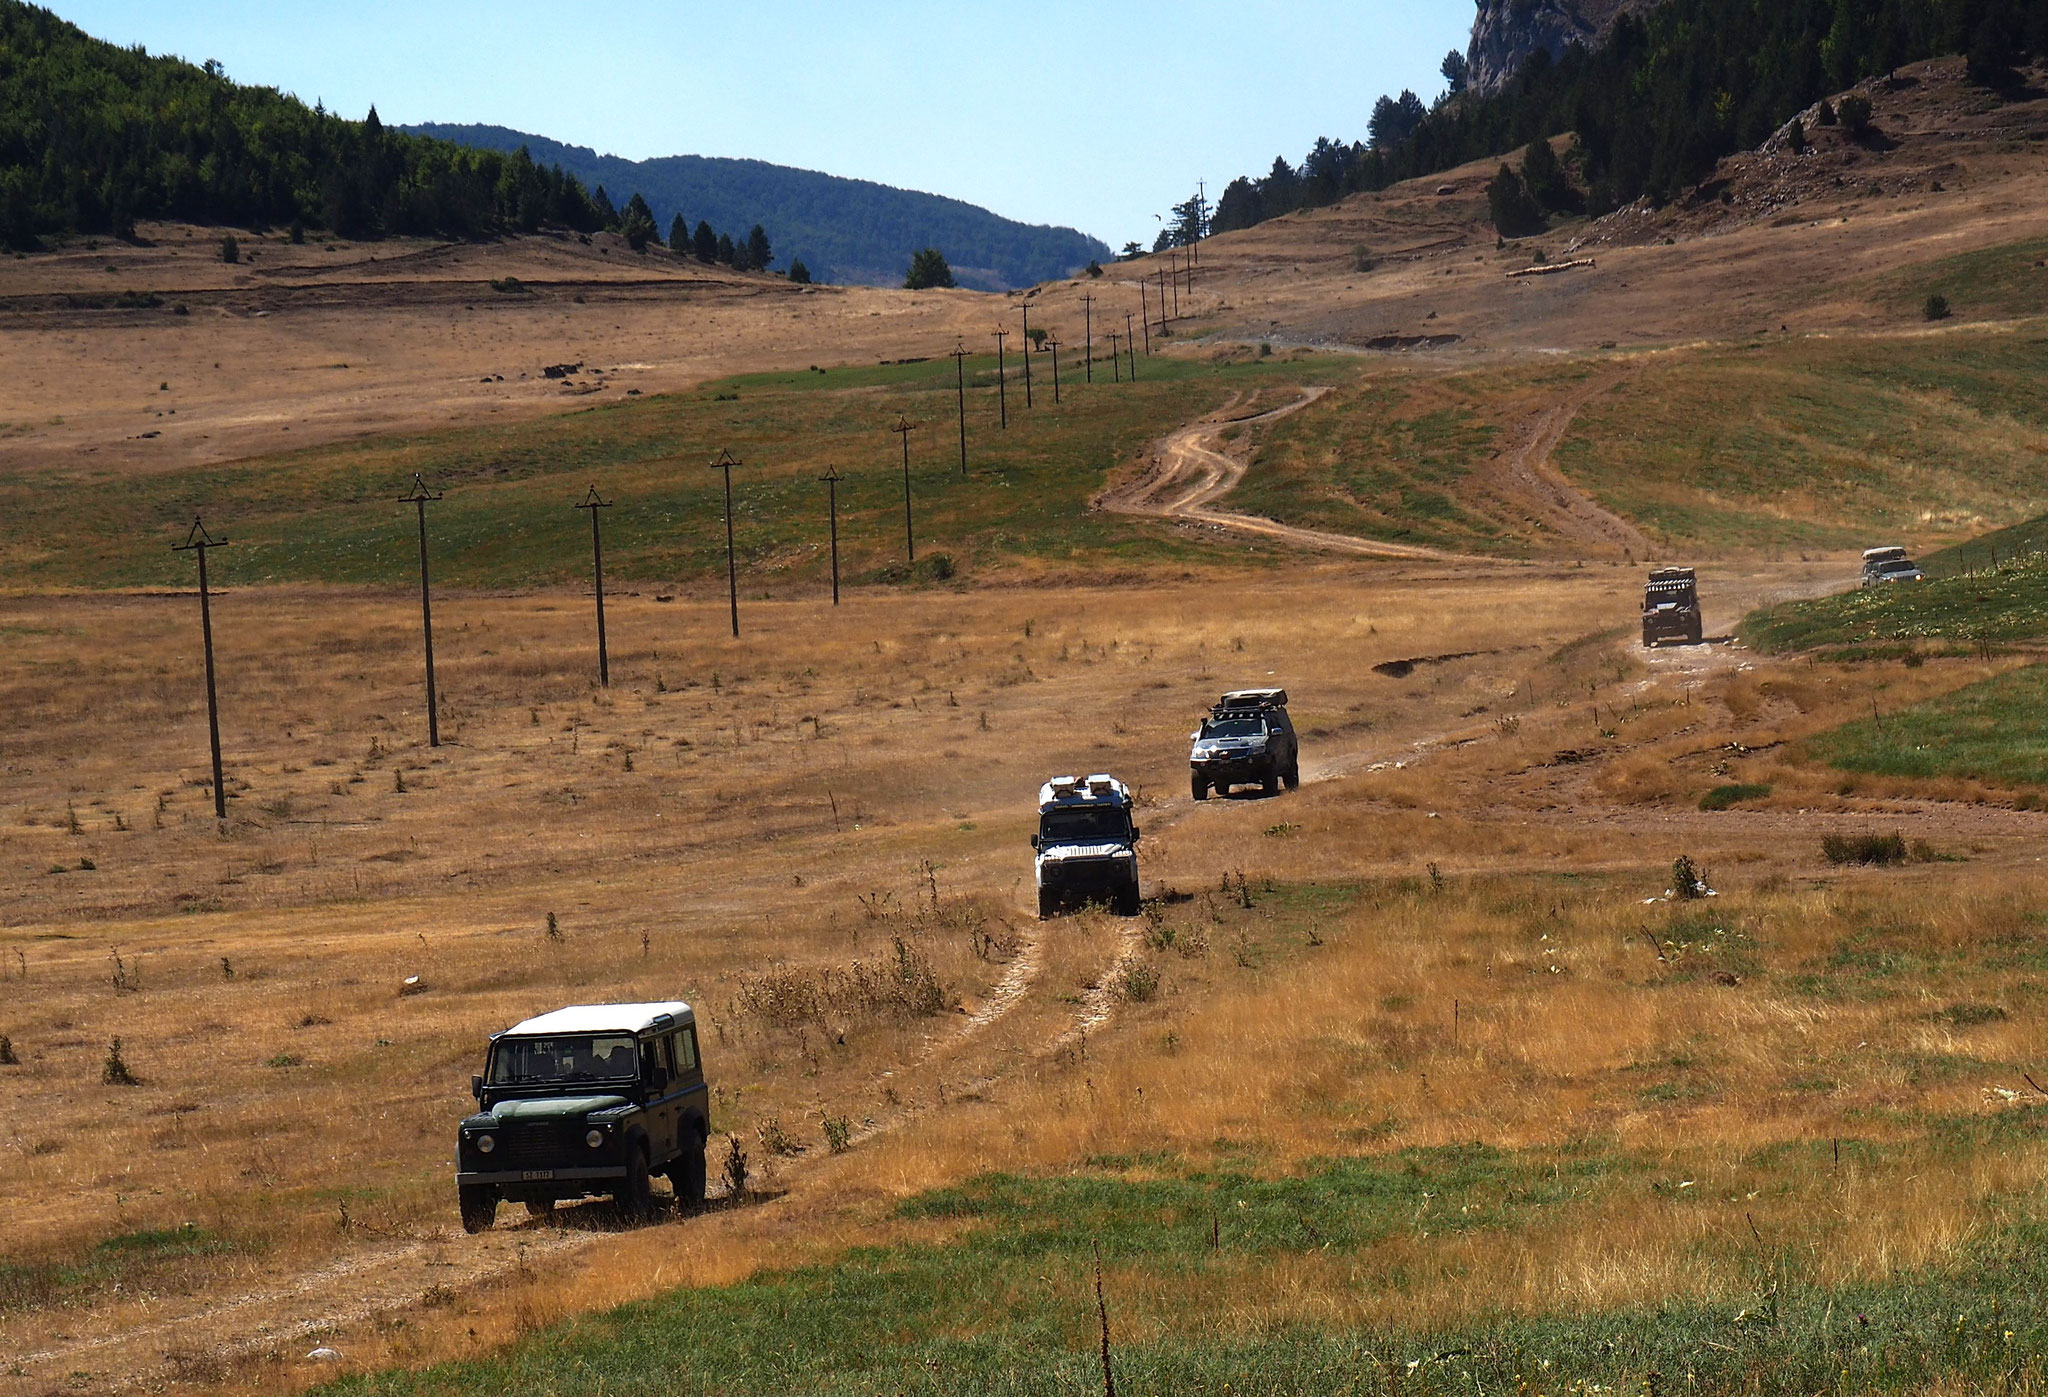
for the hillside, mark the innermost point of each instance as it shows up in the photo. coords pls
(95, 137)
(844, 230)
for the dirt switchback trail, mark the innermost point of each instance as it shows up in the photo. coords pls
(1524, 472)
(1188, 475)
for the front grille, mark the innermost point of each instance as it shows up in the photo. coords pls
(539, 1145)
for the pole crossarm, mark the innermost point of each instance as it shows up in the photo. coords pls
(198, 538)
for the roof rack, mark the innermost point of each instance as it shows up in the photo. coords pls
(1251, 699)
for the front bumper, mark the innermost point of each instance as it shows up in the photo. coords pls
(540, 1176)
(1220, 769)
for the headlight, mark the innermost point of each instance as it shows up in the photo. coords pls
(486, 1143)
(594, 1139)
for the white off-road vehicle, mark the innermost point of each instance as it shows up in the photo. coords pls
(1087, 847)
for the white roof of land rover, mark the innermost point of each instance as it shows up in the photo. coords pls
(605, 1018)
(1099, 789)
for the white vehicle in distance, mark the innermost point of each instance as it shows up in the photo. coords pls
(1086, 845)
(1888, 564)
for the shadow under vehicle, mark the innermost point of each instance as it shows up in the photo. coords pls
(586, 1101)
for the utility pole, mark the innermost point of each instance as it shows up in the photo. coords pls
(1027, 356)
(1002, 391)
(1116, 356)
(1088, 335)
(1144, 315)
(725, 462)
(594, 502)
(1131, 346)
(421, 497)
(903, 428)
(960, 383)
(831, 480)
(198, 541)
(1173, 260)
(1052, 342)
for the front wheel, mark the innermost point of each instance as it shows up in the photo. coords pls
(635, 1196)
(1293, 777)
(1047, 904)
(479, 1207)
(1199, 786)
(1270, 784)
(1127, 901)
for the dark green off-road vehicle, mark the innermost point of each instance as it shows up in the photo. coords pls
(586, 1101)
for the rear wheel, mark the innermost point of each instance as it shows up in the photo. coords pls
(635, 1195)
(689, 1173)
(1199, 786)
(479, 1206)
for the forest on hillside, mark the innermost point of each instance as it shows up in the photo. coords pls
(844, 230)
(1670, 93)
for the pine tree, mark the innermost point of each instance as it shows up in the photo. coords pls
(1545, 179)
(608, 217)
(1454, 70)
(679, 235)
(928, 269)
(726, 251)
(705, 244)
(1515, 214)
(637, 223)
(798, 272)
(759, 254)
(742, 257)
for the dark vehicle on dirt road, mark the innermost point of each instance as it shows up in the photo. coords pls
(1671, 607)
(1888, 564)
(1247, 740)
(590, 1100)
(1086, 845)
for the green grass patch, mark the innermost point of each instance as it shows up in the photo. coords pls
(2011, 605)
(1988, 553)
(1995, 730)
(147, 1257)
(1008, 1305)
(1729, 796)
(1826, 444)
(330, 513)
(1992, 283)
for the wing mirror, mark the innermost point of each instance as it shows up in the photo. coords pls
(476, 1088)
(1034, 841)
(1136, 834)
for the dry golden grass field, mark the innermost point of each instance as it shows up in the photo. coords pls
(1425, 1064)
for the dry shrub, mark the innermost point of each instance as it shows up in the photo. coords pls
(904, 986)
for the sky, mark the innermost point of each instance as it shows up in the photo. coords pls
(1095, 116)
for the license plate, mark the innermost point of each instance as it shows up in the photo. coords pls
(536, 1175)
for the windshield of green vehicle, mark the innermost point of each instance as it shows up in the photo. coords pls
(556, 1061)
(1085, 825)
(1233, 727)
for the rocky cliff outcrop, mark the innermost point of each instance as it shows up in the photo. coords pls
(1506, 32)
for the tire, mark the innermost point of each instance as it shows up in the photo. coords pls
(1047, 904)
(540, 1207)
(1270, 783)
(479, 1207)
(688, 1174)
(1199, 786)
(1293, 777)
(1128, 903)
(635, 1195)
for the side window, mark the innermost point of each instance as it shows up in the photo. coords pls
(686, 1051)
(654, 1054)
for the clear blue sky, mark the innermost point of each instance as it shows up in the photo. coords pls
(1096, 116)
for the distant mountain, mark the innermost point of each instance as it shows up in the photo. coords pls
(845, 230)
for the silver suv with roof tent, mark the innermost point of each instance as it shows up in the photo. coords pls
(1247, 739)
(590, 1100)
(1086, 845)
(1888, 564)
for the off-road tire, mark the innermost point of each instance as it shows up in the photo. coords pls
(1128, 901)
(1047, 904)
(1199, 786)
(635, 1195)
(540, 1207)
(479, 1207)
(688, 1174)
(1694, 634)
(1270, 783)
(1293, 777)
